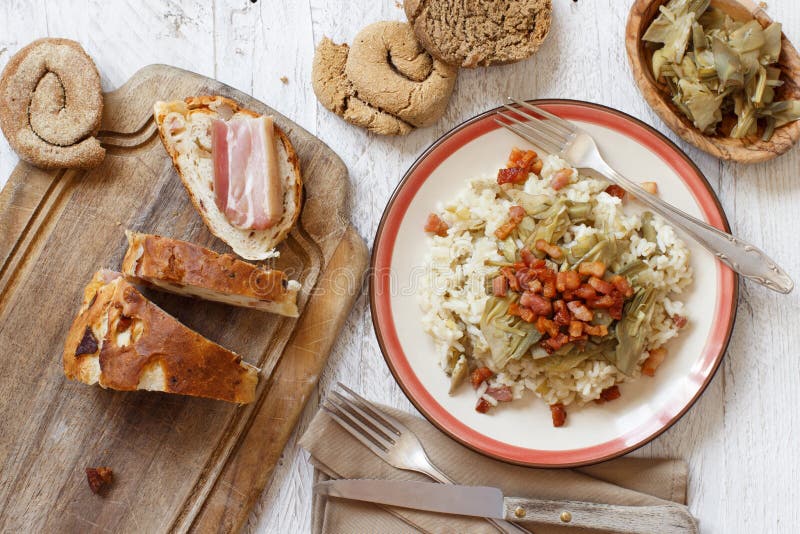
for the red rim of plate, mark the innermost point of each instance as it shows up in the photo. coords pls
(701, 372)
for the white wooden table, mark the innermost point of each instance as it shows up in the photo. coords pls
(745, 467)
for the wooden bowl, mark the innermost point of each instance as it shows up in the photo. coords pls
(748, 150)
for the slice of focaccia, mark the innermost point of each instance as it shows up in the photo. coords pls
(122, 341)
(186, 129)
(188, 269)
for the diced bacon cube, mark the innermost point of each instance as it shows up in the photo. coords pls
(513, 175)
(480, 375)
(538, 304)
(600, 285)
(575, 329)
(561, 179)
(559, 414)
(599, 330)
(610, 393)
(650, 187)
(482, 406)
(500, 393)
(580, 311)
(436, 225)
(499, 286)
(653, 361)
(615, 191)
(592, 268)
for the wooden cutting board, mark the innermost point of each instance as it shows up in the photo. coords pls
(179, 463)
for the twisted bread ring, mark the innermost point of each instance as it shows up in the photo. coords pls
(386, 82)
(51, 105)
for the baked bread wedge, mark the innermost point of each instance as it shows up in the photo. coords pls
(187, 128)
(120, 340)
(188, 269)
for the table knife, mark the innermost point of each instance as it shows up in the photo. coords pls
(488, 502)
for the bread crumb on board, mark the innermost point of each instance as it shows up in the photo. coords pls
(99, 478)
(284, 79)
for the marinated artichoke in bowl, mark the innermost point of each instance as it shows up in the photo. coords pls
(714, 65)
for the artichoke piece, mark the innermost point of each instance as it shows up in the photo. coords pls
(452, 358)
(769, 129)
(561, 364)
(760, 86)
(783, 112)
(673, 26)
(699, 41)
(551, 228)
(746, 113)
(661, 65)
(579, 211)
(649, 231)
(508, 248)
(706, 68)
(748, 37)
(532, 204)
(605, 251)
(703, 105)
(508, 337)
(771, 49)
(581, 248)
(712, 19)
(631, 331)
(630, 270)
(728, 65)
(525, 227)
(460, 372)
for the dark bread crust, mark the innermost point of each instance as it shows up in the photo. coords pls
(190, 363)
(479, 33)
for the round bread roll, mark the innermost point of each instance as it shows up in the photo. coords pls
(51, 105)
(478, 33)
(385, 82)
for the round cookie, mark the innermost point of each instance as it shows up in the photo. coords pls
(479, 33)
(51, 105)
(385, 82)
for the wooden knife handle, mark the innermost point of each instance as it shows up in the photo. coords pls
(666, 518)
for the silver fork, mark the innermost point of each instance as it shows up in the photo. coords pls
(563, 138)
(389, 439)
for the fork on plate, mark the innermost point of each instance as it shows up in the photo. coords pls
(563, 138)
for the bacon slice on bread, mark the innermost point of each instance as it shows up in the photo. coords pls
(120, 340)
(247, 189)
(188, 269)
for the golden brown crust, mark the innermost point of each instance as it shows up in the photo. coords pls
(51, 105)
(142, 347)
(185, 268)
(222, 106)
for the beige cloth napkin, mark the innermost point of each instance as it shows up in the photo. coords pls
(335, 454)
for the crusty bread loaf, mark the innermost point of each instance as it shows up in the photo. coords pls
(478, 33)
(122, 341)
(188, 269)
(188, 142)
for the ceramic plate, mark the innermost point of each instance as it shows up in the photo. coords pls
(522, 432)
